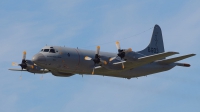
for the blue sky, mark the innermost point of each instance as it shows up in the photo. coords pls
(30, 25)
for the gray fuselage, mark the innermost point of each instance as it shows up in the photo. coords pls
(68, 61)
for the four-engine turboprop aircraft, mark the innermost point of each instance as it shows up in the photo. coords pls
(64, 61)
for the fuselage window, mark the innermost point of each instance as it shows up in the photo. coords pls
(46, 50)
(52, 51)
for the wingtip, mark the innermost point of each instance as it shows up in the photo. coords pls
(190, 55)
(193, 54)
(176, 52)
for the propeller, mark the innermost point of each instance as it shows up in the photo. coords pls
(23, 63)
(121, 53)
(97, 60)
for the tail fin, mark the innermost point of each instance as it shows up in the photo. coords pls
(156, 45)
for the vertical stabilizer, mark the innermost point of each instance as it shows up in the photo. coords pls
(156, 45)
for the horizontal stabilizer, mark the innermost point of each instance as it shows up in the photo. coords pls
(172, 60)
(155, 57)
(17, 69)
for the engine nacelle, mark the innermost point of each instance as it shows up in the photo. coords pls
(31, 67)
(36, 69)
(132, 56)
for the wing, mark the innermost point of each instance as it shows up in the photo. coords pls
(172, 60)
(12, 69)
(151, 58)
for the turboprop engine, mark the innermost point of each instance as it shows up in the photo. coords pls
(28, 65)
(124, 55)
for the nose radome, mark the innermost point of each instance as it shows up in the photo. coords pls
(39, 58)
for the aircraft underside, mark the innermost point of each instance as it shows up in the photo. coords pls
(132, 73)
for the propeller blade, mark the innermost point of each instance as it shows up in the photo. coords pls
(87, 58)
(128, 50)
(122, 64)
(119, 62)
(97, 67)
(104, 62)
(93, 71)
(112, 58)
(118, 45)
(24, 55)
(14, 64)
(98, 49)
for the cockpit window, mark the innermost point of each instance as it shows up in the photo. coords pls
(46, 50)
(41, 50)
(52, 51)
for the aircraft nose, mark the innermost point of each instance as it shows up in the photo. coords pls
(39, 58)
